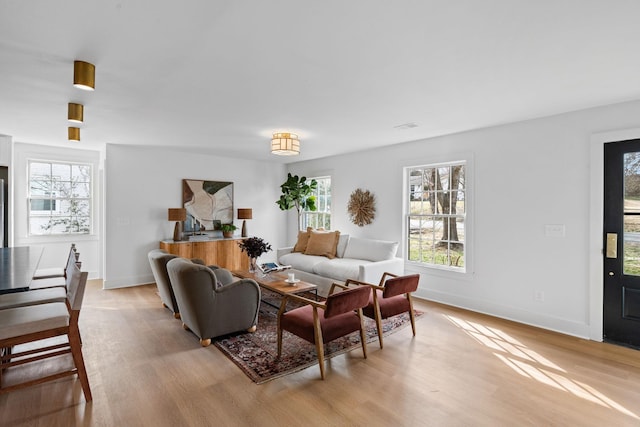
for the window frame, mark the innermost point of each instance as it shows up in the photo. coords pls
(326, 213)
(439, 269)
(58, 200)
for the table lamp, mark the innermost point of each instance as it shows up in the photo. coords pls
(178, 215)
(244, 214)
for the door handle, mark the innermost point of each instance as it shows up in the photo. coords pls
(612, 245)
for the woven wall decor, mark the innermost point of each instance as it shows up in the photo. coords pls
(361, 207)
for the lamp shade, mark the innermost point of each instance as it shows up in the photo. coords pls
(75, 113)
(177, 214)
(245, 213)
(74, 134)
(285, 144)
(84, 75)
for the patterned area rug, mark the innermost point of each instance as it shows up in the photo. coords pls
(256, 353)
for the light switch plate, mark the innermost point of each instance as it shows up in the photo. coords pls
(554, 230)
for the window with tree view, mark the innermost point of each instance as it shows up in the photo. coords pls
(321, 217)
(436, 215)
(59, 198)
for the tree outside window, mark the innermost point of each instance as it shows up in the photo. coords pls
(59, 198)
(436, 215)
(321, 217)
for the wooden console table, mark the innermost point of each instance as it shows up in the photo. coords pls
(224, 253)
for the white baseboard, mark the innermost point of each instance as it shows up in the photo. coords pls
(127, 282)
(556, 324)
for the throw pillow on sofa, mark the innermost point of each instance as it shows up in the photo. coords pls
(322, 243)
(303, 239)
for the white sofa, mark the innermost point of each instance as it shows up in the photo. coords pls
(356, 258)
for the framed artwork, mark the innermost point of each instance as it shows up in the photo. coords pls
(209, 204)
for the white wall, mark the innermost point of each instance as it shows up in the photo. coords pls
(142, 183)
(527, 175)
(56, 248)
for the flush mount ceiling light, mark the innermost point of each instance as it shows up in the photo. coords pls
(74, 134)
(75, 113)
(84, 75)
(285, 144)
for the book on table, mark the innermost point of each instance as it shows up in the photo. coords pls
(268, 267)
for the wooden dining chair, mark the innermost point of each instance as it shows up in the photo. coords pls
(320, 323)
(30, 324)
(38, 296)
(49, 273)
(57, 281)
(391, 297)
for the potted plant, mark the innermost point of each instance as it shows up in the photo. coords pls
(227, 230)
(297, 193)
(254, 247)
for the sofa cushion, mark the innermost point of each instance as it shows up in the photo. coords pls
(339, 268)
(369, 249)
(342, 245)
(301, 261)
(323, 243)
(303, 239)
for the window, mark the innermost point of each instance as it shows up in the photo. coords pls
(321, 217)
(59, 198)
(436, 214)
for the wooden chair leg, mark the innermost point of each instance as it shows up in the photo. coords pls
(378, 319)
(317, 332)
(76, 352)
(205, 342)
(412, 315)
(279, 341)
(363, 335)
(253, 329)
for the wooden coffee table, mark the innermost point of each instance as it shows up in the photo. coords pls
(275, 281)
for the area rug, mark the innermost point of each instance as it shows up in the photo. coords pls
(256, 353)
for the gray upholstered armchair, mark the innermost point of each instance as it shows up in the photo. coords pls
(158, 260)
(210, 306)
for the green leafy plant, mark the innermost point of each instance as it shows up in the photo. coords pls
(228, 227)
(297, 193)
(254, 246)
(227, 230)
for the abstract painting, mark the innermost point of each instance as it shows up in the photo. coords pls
(208, 203)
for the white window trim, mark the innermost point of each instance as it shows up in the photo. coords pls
(90, 199)
(27, 152)
(317, 212)
(441, 270)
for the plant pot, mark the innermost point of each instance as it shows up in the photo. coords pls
(227, 234)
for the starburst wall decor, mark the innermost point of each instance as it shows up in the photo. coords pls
(361, 207)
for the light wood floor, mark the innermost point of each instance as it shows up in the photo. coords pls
(462, 369)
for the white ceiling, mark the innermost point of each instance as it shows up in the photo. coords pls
(220, 76)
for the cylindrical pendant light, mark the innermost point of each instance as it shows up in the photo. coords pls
(84, 75)
(75, 113)
(74, 134)
(285, 144)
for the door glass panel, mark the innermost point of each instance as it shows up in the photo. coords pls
(631, 261)
(632, 182)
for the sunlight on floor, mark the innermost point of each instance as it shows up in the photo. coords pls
(530, 364)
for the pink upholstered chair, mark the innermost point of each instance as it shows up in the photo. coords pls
(318, 322)
(392, 296)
